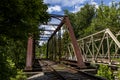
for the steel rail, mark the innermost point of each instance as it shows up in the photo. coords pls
(82, 72)
(53, 70)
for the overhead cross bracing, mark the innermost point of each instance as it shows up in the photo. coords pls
(55, 32)
(49, 27)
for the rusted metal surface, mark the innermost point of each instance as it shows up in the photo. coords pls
(57, 29)
(75, 44)
(73, 39)
(59, 17)
(31, 47)
(29, 57)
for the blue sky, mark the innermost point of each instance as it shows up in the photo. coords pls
(58, 6)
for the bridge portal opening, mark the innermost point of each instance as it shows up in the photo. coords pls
(50, 42)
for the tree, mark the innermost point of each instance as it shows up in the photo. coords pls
(82, 19)
(21, 16)
(17, 19)
(106, 17)
(105, 71)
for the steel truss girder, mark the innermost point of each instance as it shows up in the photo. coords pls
(30, 47)
(99, 49)
(73, 39)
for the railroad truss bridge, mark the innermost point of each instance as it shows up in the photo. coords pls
(102, 47)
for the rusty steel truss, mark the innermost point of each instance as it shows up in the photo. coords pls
(64, 21)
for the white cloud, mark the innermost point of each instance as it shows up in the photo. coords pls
(94, 3)
(70, 3)
(52, 1)
(65, 3)
(114, 2)
(110, 3)
(56, 8)
(77, 8)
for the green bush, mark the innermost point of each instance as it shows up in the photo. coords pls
(118, 75)
(105, 71)
(20, 76)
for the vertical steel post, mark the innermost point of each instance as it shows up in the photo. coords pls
(93, 51)
(59, 43)
(47, 49)
(53, 48)
(34, 47)
(108, 51)
(75, 44)
(29, 57)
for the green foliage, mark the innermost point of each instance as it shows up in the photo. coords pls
(82, 19)
(20, 76)
(90, 19)
(65, 41)
(41, 50)
(106, 17)
(118, 74)
(15, 51)
(7, 67)
(20, 17)
(17, 19)
(105, 71)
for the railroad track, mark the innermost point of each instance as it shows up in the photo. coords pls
(66, 73)
(47, 68)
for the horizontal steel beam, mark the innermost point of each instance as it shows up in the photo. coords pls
(55, 15)
(57, 29)
(92, 35)
(59, 17)
(50, 24)
(47, 30)
(45, 34)
(43, 39)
